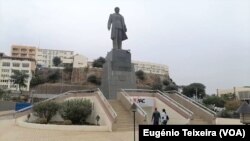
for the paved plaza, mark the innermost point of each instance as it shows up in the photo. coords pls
(9, 131)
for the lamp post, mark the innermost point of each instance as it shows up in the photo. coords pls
(133, 108)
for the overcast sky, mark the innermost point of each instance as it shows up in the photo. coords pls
(206, 41)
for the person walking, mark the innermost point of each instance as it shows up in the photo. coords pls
(164, 117)
(156, 117)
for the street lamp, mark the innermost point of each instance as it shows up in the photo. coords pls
(133, 108)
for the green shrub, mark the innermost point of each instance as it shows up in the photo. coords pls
(41, 121)
(157, 86)
(76, 110)
(46, 110)
(93, 79)
(140, 74)
(67, 122)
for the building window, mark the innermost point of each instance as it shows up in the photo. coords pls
(13, 71)
(23, 50)
(4, 75)
(6, 64)
(23, 55)
(16, 64)
(25, 65)
(4, 86)
(5, 70)
(25, 71)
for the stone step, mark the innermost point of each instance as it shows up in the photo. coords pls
(124, 121)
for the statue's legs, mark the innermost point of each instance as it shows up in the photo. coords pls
(115, 44)
(119, 43)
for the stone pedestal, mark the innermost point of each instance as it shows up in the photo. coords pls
(118, 73)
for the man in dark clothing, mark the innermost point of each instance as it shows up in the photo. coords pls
(156, 117)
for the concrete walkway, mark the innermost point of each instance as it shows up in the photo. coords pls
(11, 132)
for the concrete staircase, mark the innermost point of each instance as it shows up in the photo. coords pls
(125, 121)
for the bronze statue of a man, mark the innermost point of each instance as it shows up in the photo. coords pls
(118, 30)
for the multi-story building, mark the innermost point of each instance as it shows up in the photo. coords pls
(240, 92)
(153, 68)
(23, 51)
(80, 61)
(10, 64)
(45, 56)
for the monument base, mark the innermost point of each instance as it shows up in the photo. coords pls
(118, 73)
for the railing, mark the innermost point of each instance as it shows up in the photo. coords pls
(190, 113)
(139, 109)
(161, 93)
(139, 90)
(16, 114)
(106, 103)
(193, 101)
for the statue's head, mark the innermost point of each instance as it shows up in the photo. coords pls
(117, 10)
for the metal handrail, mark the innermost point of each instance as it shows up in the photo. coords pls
(109, 107)
(139, 90)
(195, 102)
(52, 98)
(137, 105)
(190, 113)
(176, 103)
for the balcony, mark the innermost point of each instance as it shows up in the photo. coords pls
(23, 50)
(15, 54)
(15, 51)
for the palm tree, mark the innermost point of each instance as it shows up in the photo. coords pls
(20, 78)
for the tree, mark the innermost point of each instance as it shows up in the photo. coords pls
(98, 63)
(232, 105)
(229, 96)
(193, 89)
(57, 61)
(157, 86)
(36, 80)
(140, 74)
(171, 87)
(54, 76)
(214, 100)
(76, 110)
(20, 78)
(93, 79)
(166, 82)
(46, 110)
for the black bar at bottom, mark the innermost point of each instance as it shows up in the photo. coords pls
(194, 132)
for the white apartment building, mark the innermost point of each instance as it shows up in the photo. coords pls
(153, 68)
(240, 92)
(10, 64)
(80, 61)
(45, 56)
